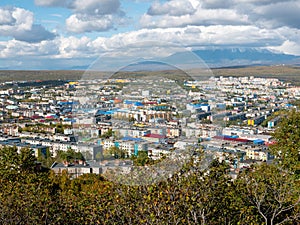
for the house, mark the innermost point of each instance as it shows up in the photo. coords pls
(129, 144)
(154, 138)
(76, 170)
(133, 132)
(90, 152)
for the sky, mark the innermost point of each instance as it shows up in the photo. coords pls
(74, 34)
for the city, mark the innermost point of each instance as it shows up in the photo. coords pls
(229, 117)
(150, 112)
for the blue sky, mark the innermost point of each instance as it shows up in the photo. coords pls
(70, 34)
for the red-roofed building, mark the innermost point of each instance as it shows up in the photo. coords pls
(156, 138)
(34, 117)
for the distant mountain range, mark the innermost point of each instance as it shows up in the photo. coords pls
(233, 57)
(208, 58)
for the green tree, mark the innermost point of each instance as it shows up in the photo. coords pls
(287, 147)
(116, 152)
(268, 194)
(131, 119)
(108, 134)
(9, 163)
(27, 196)
(142, 159)
(27, 160)
(70, 155)
(46, 159)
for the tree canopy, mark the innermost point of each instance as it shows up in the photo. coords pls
(287, 147)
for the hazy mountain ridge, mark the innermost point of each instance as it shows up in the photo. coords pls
(239, 57)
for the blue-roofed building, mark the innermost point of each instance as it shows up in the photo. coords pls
(138, 104)
(128, 138)
(258, 142)
(104, 112)
(128, 102)
(131, 103)
(64, 103)
(72, 120)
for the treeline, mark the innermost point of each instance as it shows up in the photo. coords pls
(262, 194)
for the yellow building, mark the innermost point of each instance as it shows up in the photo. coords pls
(251, 122)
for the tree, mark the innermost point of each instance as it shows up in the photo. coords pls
(270, 192)
(59, 128)
(116, 152)
(108, 134)
(27, 196)
(70, 155)
(9, 163)
(27, 160)
(45, 158)
(209, 198)
(142, 159)
(131, 119)
(287, 147)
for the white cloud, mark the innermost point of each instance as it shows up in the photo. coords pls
(17, 19)
(177, 13)
(59, 48)
(288, 47)
(217, 4)
(78, 23)
(200, 17)
(89, 15)
(19, 24)
(99, 7)
(6, 17)
(94, 15)
(173, 8)
(43, 55)
(15, 49)
(291, 41)
(73, 47)
(62, 3)
(259, 2)
(96, 7)
(263, 13)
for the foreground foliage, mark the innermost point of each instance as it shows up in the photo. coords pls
(263, 194)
